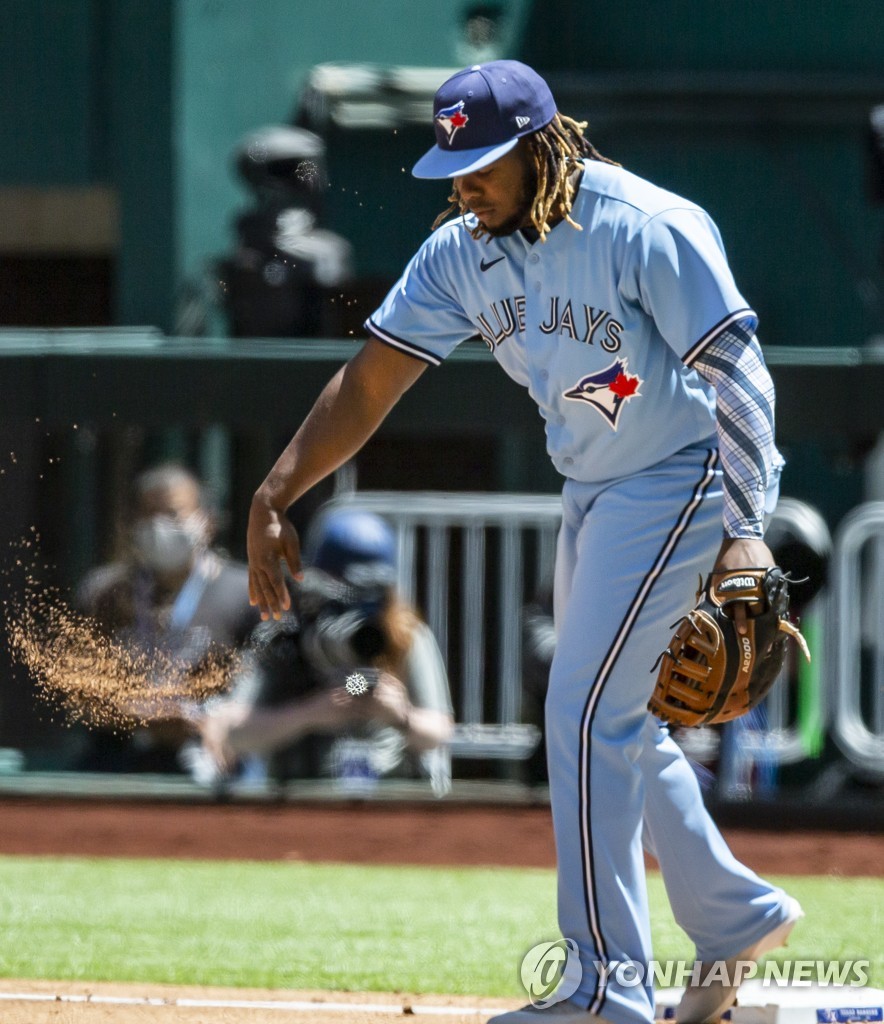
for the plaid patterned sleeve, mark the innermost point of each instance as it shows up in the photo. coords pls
(734, 365)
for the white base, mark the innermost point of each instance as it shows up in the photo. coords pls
(760, 1003)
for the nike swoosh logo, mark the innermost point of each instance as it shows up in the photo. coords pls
(487, 266)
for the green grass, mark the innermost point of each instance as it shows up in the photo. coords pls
(337, 926)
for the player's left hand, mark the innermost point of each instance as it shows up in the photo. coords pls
(742, 553)
(270, 540)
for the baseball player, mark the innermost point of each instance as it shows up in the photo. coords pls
(611, 300)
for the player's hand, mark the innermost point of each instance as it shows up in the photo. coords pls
(742, 553)
(271, 540)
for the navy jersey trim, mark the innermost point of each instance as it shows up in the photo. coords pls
(692, 353)
(592, 703)
(399, 343)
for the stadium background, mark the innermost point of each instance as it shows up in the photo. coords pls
(118, 120)
(118, 193)
(119, 123)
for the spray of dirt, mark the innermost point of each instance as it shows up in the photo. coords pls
(92, 677)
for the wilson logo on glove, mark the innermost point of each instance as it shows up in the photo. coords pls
(710, 673)
(736, 583)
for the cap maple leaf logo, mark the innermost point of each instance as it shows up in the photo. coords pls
(452, 119)
(624, 385)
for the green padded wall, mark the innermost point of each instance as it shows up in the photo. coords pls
(50, 102)
(709, 35)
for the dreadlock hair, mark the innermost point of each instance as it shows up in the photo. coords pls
(557, 150)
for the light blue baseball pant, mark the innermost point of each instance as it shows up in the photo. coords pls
(629, 557)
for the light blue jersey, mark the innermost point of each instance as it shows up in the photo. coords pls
(601, 325)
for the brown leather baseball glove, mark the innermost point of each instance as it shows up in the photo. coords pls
(710, 673)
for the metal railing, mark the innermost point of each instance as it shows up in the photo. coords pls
(487, 555)
(857, 631)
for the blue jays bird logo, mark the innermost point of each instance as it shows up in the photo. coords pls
(607, 390)
(452, 118)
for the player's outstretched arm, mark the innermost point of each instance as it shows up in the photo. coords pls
(348, 411)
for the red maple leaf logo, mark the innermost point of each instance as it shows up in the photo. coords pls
(624, 385)
(459, 119)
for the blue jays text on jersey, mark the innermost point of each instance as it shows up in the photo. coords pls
(645, 281)
(508, 315)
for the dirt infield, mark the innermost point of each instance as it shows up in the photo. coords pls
(370, 833)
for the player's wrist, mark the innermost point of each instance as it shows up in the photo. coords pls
(270, 498)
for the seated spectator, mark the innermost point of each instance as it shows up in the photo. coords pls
(170, 594)
(351, 667)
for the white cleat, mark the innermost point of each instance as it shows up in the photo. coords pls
(564, 1012)
(703, 1004)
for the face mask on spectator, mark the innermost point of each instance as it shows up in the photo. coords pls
(168, 545)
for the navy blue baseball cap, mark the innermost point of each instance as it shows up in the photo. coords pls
(481, 113)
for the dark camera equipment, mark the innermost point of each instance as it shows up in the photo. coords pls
(282, 275)
(341, 622)
(362, 680)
